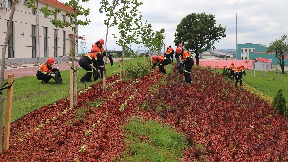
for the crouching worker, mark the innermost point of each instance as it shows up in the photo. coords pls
(160, 61)
(85, 62)
(46, 72)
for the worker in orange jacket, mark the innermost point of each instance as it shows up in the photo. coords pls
(47, 72)
(90, 64)
(187, 62)
(239, 72)
(99, 49)
(232, 70)
(171, 50)
(159, 61)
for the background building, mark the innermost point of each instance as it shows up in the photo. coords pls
(250, 51)
(34, 37)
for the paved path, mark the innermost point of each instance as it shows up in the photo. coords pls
(31, 70)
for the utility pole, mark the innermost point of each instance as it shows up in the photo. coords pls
(236, 39)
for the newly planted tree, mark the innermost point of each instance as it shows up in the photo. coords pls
(198, 33)
(77, 10)
(125, 15)
(129, 24)
(109, 8)
(150, 39)
(280, 47)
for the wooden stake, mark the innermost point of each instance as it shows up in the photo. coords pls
(8, 113)
(104, 74)
(71, 88)
(75, 103)
(120, 69)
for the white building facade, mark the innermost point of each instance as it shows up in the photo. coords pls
(33, 34)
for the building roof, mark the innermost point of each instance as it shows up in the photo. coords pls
(263, 60)
(58, 4)
(226, 63)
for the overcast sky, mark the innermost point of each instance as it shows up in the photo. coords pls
(259, 21)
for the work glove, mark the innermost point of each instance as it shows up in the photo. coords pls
(53, 75)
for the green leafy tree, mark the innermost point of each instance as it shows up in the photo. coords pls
(109, 8)
(158, 40)
(126, 16)
(198, 33)
(150, 39)
(280, 47)
(129, 24)
(78, 10)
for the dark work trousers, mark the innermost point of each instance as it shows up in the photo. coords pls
(85, 63)
(172, 58)
(168, 57)
(100, 60)
(238, 78)
(187, 69)
(44, 77)
(162, 64)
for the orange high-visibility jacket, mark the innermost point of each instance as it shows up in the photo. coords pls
(159, 59)
(185, 55)
(92, 55)
(45, 68)
(232, 67)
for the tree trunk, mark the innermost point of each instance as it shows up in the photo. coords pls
(9, 29)
(197, 58)
(105, 60)
(282, 64)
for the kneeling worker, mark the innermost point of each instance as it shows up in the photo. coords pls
(46, 72)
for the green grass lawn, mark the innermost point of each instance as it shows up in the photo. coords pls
(267, 82)
(29, 94)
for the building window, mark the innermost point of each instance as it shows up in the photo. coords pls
(245, 50)
(242, 50)
(71, 20)
(9, 3)
(11, 42)
(64, 43)
(252, 50)
(33, 35)
(33, 10)
(55, 42)
(55, 15)
(64, 18)
(249, 50)
(45, 30)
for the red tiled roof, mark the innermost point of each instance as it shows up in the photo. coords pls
(58, 4)
(263, 60)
